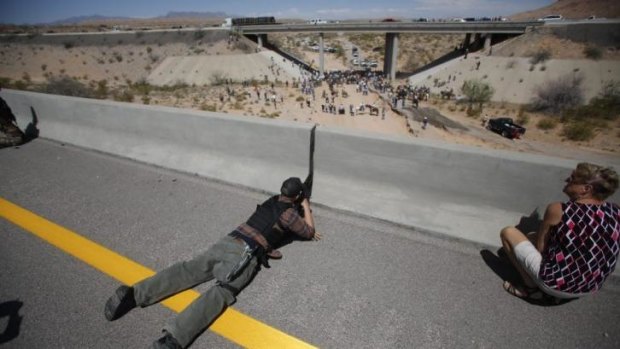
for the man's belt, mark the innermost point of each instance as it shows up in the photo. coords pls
(248, 240)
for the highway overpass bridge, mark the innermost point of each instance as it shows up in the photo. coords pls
(481, 31)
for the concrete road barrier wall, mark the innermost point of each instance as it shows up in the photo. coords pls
(460, 191)
(243, 150)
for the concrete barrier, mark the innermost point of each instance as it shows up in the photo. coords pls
(463, 192)
(242, 150)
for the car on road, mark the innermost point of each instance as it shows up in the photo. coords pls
(551, 18)
(506, 127)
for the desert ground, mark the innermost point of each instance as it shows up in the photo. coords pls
(193, 73)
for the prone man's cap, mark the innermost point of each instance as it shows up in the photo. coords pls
(292, 187)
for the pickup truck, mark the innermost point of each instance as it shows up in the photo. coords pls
(506, 127)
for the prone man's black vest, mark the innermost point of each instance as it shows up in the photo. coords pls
(265, 218)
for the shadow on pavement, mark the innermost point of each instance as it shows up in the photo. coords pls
(10, 309)
(501, 266)
(31, 132)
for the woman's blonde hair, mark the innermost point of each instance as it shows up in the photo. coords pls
(604, 180)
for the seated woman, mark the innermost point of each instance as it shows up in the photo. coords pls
(577, 245)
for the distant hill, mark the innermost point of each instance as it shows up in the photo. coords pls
(82, 19)
(195, 15)
(574, 9)
(169, 15)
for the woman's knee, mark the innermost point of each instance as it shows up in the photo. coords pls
(512, 235)
(507, 231)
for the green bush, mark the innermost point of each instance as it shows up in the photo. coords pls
(68, 86)
(102, 89)
(593, 52)
(558, 95)
(124, 96)
(208, 107)
(605, 106)
(578, 131)
(474, 113)
(547, 124)
(522, 117)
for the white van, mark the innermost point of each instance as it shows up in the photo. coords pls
(550, 18)
(317, 21)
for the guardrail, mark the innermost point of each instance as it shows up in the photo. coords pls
(396, 27)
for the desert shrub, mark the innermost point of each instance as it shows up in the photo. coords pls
(146, 99)
(243, 46)
(522, 117)
(208, 107)
(5, 82)
(593, 52)
(300, 99)
(511, 64)
(607, 103)
(478, 92)
(124, 96)
(578, 131)
(199, 35)
(68, 44)
(558, 95)
(218, 78)
(540, 56)
(547, 124)
(101, 91)
(149, 49)
(20, 85)
(471, 112)
(142, 87)
(67, 86)
(602, 108)
(43, 67)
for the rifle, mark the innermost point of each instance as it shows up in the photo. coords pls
(307, 188)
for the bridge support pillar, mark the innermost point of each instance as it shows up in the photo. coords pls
(321, 54)
(261, 40)
(467, 40)
(391, 55)
(487, 43)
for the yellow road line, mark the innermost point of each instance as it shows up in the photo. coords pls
(233, 325)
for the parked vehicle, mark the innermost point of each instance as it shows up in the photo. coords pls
(506, 127)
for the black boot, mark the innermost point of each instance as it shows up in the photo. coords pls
(166, 342)
(120, 303)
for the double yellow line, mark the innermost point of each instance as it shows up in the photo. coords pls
(233, 325)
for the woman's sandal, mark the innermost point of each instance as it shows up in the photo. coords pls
(529, 292)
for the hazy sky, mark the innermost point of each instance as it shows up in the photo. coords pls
(43, 11)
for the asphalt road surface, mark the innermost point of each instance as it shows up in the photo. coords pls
(367, 284)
